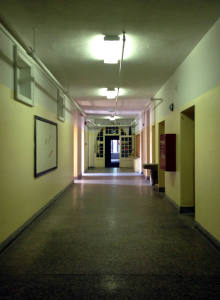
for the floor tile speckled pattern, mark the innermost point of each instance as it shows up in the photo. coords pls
(108, 238)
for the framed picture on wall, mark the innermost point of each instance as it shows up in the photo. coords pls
(23, 78)
(45, 146)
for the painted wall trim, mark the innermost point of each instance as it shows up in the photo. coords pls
(200, 228)
(207, 235)
(172, 202)
(15, 234)
(186, 209)
(181, 209)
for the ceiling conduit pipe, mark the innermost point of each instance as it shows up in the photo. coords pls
(119, 71)
(156, 99)
(15, 38)
(148, 106)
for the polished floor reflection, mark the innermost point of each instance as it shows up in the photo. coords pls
(111, 172)
(113, 176)
(110, 241)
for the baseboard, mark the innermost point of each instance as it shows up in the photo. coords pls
(158, 188)
(207, 235)
(172, 202)
(181, 209)
(202, 230)
(186, 209)
(15, 234)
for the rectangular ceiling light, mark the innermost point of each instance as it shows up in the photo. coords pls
(112, 49)
(111, 93)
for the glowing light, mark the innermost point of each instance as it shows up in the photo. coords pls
(112, 49)
(98, 47)
(113, 118)
(111, 93)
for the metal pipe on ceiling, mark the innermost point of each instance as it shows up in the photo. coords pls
(119, 70)
(16, 38)
(91, 122)
(149, 105)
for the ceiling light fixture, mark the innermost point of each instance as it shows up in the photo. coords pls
(113, 118)
(112, 49)
(111, 93)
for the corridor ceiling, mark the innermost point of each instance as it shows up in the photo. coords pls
(159, 35)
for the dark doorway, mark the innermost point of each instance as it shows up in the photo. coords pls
(112, 151)
(187, 155)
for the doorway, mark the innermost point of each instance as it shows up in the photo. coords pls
(153, 160)
(161, 172)
(112, 151)
(187, 179)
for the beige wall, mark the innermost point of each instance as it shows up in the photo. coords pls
(195, 82)
(161, 173)
(172, 184)
(145, 141)
(92, 136)
(77, 145)
(147, 131)
(86, 148)
(207, 161)
(187, 162)
(22, 195)
(137, 165)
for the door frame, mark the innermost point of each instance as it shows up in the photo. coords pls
(108, 139)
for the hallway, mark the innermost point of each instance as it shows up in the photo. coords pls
(114, 240)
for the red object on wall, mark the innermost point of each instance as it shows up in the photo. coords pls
(168, 152)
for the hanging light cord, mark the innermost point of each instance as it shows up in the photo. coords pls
(119, 71)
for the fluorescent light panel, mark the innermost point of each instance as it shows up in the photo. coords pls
(111, 93)
(112, 49)
(112, 118)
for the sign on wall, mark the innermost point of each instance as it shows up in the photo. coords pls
(45, 146)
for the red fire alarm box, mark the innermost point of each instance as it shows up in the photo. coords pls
(168, 152)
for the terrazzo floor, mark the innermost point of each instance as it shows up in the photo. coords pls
(110, 237)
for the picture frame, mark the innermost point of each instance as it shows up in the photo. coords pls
(45, 146)
(23, 78)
